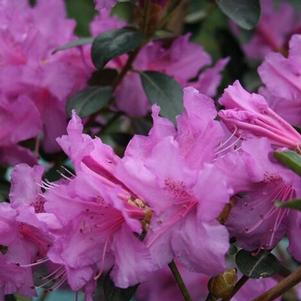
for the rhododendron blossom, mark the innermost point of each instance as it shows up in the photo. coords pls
(182, 60)
(281, 77)
(103, 217)
(254, 220)
(270, 34)
(27, 56)
(248, 114)
(175, 188)
(133, 163)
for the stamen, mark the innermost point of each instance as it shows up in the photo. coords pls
(228, 139)
(63, 175)
(61, 273)
(68, 171)
(58, 284)
(40, 261)
(228, 147)
(102, 260)
(53, 273)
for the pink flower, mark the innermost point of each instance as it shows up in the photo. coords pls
(101, 219)
(14, 154)
(107, 4)
(270, 34)
(210, 79)
(281, 77)
(161, 285)
(42, 80)
(248, 114)
(20, 120)
(21, 244)
(26, 197)
(254, 220)
(182, 61)
(130, 96)
(293, 232)
(253, 288)
(14, 279)
(105, 22)
(178, 190)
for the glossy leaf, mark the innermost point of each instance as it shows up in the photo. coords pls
(261, 265)
(10, 298)
(245, 13)
(113, 293)
(75, 43)
(4, 191)
(293, 204)
(89, 101)
(114, 43)
(163, 90)
(290, 159)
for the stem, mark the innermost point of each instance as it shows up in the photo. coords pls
(131, 58)
(210, 298)
(107, 126)
(179, 281)
(283, 286)
(146, 16)
(43, 296)
(168, 14)
(240, 283)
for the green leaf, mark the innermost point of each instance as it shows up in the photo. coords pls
(245, 13)
(22, 298)
(103, 77)
(114, 43)
(293, 204)
(10, 298)
(261, 265)
(4, 191)
(113, 293)
(82, 12)
(89, 101)
(290, 159)
(75, 43)
(163, 90)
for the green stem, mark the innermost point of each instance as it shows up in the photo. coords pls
(169, 13)
(240, 283)
(146, 11)
(127, 67)
(210, 298)
(43, 296)
(281, 287)
(179, 280)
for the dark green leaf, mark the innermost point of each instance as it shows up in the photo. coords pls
(114, 43)
(290, 159)
(89, 101)
(103, 77)
(261, 265)
(141, 126)
(113, 293)
(245, 13)
(75, 43)
(293, 204)
(4, 190)
(163, 90)
(82, 12)
(10, 298)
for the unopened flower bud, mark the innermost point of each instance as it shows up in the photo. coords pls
(223, 284)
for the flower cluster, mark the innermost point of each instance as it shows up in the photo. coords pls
(179, 195)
